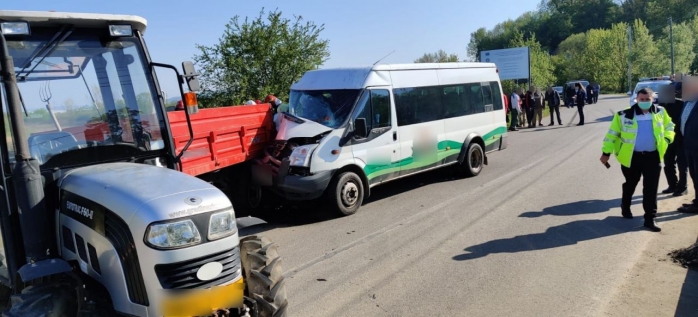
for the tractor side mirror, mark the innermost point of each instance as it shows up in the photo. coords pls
(191, 76)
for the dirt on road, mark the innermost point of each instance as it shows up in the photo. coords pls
(656, 285)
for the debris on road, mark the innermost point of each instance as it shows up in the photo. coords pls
(687, 257)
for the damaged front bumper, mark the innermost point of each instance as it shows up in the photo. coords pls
(273, 170)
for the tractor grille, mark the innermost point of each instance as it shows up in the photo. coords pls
(68, 241)
(182, 275)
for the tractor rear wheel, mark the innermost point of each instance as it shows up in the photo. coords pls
(261, 266)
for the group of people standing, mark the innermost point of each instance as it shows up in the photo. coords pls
(647, 135)
(527, 109)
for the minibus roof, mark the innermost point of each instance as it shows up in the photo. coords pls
(376, 75)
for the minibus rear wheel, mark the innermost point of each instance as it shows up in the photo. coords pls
(346, 193)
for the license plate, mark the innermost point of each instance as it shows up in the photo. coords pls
(203, 302)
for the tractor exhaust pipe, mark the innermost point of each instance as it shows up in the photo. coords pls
(34, 222)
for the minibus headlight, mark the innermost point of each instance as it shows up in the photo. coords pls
(301, 155)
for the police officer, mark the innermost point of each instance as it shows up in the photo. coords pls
(639, 137)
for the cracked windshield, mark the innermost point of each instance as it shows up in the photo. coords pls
(392, 158)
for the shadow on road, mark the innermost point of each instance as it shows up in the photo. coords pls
(604, 119)
(563, 235)
(293, 214)
(593, 206)
(555, 237)
(410, 183)
(688, 305)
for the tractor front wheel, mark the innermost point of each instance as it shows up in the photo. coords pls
(264, 279)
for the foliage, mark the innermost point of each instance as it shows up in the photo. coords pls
(684, 42)
(588, 39)
(645, 52)
(542, 68)
(439, 57)
(694, 29)
(259, 57)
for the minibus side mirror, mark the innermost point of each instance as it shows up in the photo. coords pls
(360, 128)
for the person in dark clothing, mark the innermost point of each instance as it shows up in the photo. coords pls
(580, 97)
(670, 99)
(689, 131)
(597, 91)
(569, 96)
(590, 94)
(552, 98)
(529, 104)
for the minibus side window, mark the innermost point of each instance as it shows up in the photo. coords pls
(474, 101)
(380, 104)
(487, 97)
(497, 96)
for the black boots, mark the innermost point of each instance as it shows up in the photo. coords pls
(669, 190)
(652, 225)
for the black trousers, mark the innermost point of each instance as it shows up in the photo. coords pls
(596, 97)
(555, 110)
(692, 160)
(645, 165)
(530, 112)
(580, 110)
(674, 157)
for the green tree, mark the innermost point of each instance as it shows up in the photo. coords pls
(542, 68)
(260, 56)
(684, 42)
(645, 55)
(567, 61)
(439, 57)
(694, 28)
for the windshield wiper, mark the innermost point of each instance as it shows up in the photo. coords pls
(47, 50)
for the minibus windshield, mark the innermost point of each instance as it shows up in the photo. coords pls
(327, 107)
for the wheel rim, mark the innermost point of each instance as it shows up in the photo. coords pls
(254, 195)
(350, 194)
(476, 160)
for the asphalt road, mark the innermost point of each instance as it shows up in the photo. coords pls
(537, 233)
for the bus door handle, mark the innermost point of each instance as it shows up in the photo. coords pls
(394, 135)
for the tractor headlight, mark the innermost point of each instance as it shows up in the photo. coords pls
(301, 155)
(222, 224)
(15, 28)
(120, 30)
(172, 235)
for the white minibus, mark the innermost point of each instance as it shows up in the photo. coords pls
(350, 129)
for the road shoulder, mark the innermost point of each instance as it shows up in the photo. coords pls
(656, 286)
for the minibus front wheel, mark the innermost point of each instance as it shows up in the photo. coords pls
(346, 193)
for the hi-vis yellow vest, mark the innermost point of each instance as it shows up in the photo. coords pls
(620, 139)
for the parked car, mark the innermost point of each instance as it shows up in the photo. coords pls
(559, 90)
(653, 84)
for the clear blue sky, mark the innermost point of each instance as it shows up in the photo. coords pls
(360, 31)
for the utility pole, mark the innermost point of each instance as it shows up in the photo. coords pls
(671, 38)
(630, 61)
